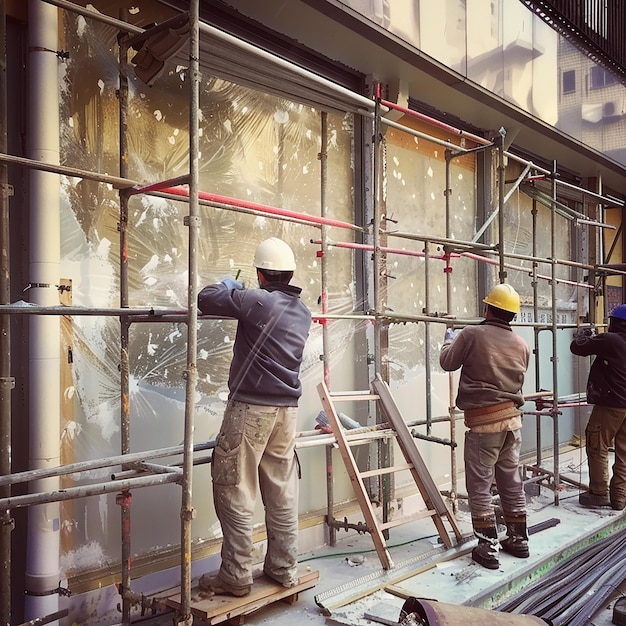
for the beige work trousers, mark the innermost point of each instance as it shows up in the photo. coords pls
(606, 427)
(255, 452)
(490, 456)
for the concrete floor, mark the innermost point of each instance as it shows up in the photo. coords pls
(353, 588)
(351, 582)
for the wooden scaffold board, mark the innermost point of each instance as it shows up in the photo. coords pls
(217, 609)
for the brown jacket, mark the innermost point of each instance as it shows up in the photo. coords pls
(493, 362)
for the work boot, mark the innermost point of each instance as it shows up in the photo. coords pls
(287, 581)
(218, 587)
(593, 500)
(618, 501)
(516, 542)
(486, 552)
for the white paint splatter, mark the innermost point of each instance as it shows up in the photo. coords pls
(85, 557)
(281, 117)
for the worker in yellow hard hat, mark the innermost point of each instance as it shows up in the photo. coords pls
(493, 362)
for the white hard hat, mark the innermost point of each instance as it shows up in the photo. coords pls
(274, 254)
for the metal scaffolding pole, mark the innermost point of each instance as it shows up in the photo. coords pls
(193, 223)
(379, 268)
(323, 156)
(450, 375)
(124, 499)
(539, 451)
(6, 381)
(555, 364)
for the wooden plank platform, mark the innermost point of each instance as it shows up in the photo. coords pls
(217, 609)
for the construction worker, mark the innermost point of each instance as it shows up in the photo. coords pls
(255, 447)
(606, 390)
(493, 362)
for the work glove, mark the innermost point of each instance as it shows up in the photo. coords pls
(450, 334)
(584, 333)
(231, 283)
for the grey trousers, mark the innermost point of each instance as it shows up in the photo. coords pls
(490, 456)
(256, 452)
(606, 427)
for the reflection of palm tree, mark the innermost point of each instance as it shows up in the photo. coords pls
(251, 147)
(250, 124)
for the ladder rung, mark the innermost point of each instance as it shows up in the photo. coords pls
(386, 470)
(413, 462)
(408, 518)
(343, 396)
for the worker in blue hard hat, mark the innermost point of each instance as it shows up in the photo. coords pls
(493, 362)
(255, 447)
(606, 390)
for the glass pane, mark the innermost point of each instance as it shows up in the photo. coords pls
(416, 182)
(485, 61)
(253, 147)
(507, 49)
(443, 24)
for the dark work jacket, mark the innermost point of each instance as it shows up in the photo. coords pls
(606, 385)
(273, 328)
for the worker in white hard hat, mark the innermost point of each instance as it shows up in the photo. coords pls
(606, 390)
(255, 447)
(493, 362)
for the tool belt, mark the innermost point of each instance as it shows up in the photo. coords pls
(490, 414)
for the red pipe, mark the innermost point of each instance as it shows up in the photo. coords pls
(262, 208)
(446, 257)
(433, 122)
(478, 257)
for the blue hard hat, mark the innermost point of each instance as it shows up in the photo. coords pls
(619, 312)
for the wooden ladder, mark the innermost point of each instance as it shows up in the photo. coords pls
(436, 508)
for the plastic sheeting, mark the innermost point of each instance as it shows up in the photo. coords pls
(253, 146)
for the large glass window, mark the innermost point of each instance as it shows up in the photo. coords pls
(504, 47)
(601, 77)
(254, 147)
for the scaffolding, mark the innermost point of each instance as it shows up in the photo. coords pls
(139, 470)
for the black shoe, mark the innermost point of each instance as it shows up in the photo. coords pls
(593, 500)
(517, 546)
(486, 554)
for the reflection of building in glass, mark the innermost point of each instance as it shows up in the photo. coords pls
(377, 10)
(516, 54)
(592, 103)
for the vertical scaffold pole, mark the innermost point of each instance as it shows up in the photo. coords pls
(124, 499)
(187, 512)
(6, 381)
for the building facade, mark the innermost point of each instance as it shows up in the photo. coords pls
(412, 153)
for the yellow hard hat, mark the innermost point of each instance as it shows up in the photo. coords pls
(504, 297)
